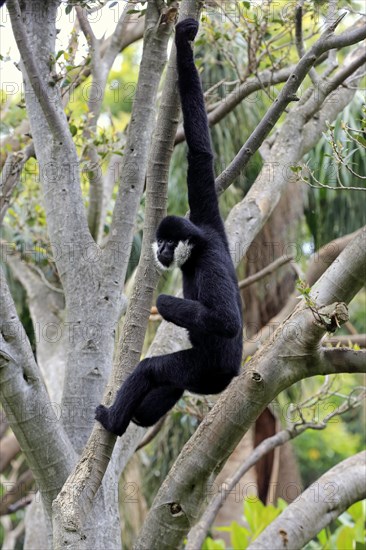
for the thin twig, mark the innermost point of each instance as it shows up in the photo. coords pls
(326, 42)
(85, 26)
(44, 280)
(300, 42)
(151, 434)
(320, 185)
(265, 271)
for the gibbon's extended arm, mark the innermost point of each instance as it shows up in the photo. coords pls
(202, 196)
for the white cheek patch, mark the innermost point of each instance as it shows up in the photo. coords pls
(159, 265)
(181, 253)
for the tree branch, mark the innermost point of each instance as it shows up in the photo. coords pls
(348, 341)
(345, 277)
(270, 268)
(45, 304)
(133, 33)
(51, 114)
(292, 142)
(300, 43)
(333, 493)
(14, 497)
(264, 79)
(86, 373)
(352, 63)
(325, 256)
(9, 449)
(118, 37)
(85, 26)
(318, 263)
(326, 42)
(100, 68)
(28, 407)
(133, 173)
(10, 176)
(336, 360)
(56, 154)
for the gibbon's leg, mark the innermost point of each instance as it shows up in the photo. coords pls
(202, 196)
(183, 370)
(116, 418)
(155, 405)
(192, 315)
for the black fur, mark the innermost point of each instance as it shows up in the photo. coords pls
(211, 307)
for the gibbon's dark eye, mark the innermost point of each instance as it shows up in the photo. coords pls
(171, 242)
(159, 241)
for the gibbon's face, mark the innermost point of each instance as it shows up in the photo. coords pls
(170, 253)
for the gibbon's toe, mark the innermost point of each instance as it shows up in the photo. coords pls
(101, 414)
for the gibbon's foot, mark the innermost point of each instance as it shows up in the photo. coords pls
(102, 415)
(187, 29)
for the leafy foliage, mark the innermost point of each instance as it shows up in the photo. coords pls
(328, 212)
(346, 533)
(257, 518)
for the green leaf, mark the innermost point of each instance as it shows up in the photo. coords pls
(345, 538)
(360, 531)
(239, 536)
(322, 537)
(281, 504)
(295, 169)
(259, 516)
(59, 53)
(357, 510)
(211, 544)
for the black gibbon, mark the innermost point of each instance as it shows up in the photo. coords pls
(211, 307)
